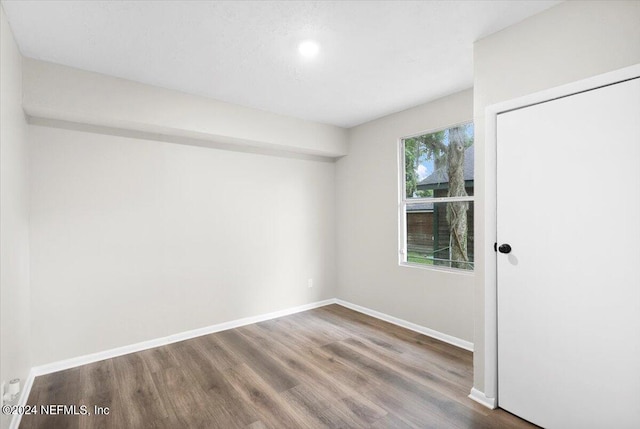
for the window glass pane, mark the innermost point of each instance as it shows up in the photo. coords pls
(440, 164)
(440, 234)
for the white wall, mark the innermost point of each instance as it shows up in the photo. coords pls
(367, 198)
(139, 239)
(134, 239)
(568, 42)
(15, 340)
(58, 92)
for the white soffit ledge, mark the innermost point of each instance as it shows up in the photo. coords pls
(60, 93)
(375, 57)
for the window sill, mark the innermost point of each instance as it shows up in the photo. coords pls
(467, 273)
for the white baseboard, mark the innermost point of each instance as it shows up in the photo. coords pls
(247, 321)
(458, 342)
(480, 398)
(157, 342)
(22, 401)
(144, 345)
(174, 338)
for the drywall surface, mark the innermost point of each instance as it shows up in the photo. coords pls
(58, 92)
(136, 239)
(14, 216)
(572, 41)
(367, 196)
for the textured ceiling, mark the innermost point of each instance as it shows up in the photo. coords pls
(375, 57)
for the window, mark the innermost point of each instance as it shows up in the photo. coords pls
(436, 198)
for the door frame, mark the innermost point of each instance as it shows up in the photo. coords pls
(491, 394)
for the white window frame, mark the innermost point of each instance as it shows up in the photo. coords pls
(403, 202)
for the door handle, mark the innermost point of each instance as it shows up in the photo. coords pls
(504, 248)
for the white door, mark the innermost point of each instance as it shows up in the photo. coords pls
(568, 204)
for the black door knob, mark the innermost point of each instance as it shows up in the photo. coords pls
(504, 248)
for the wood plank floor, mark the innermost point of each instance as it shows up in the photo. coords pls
(325, 368)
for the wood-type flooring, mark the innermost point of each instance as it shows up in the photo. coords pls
(330, 367)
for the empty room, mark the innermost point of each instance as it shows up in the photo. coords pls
(320, 214)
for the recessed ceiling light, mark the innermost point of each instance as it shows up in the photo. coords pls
(308, 48)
